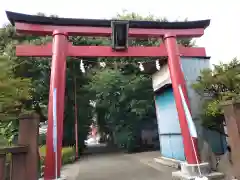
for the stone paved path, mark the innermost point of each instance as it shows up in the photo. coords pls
(119, 166)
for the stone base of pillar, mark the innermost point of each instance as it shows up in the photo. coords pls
(190, 172)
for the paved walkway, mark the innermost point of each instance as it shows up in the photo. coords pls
(118, 166)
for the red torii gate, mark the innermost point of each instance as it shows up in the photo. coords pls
(60, 48)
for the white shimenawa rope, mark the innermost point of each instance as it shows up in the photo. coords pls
(190, 123)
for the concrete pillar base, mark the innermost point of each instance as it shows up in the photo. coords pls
(190, 172)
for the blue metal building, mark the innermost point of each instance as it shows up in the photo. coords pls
(170, 138)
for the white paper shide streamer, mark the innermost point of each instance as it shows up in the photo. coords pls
(82, 68)
(158, 67)
(102, 64)
(55, 128)
(141, 66)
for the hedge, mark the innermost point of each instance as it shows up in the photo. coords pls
(68, 156)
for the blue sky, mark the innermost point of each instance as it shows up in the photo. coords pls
(221, 39)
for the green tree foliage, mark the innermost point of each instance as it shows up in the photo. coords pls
(83, 107)
(37, 70)
(215, 86)
(14, 92)
(123, 102)
(124, 95)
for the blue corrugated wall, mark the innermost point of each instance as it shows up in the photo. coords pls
(170, 138)
(191, 69)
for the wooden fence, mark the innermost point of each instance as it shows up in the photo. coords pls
(20, 162)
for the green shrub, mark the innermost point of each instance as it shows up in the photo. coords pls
(42, 139)
(68, 156)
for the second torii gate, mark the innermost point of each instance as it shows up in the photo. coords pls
(60, 48)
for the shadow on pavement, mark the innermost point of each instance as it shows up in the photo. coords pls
(100, 149)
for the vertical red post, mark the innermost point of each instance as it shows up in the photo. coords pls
(177, 78)
(76, 116)
(57, 80)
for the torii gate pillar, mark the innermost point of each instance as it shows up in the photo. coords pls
(57, 81)
(177, 78)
